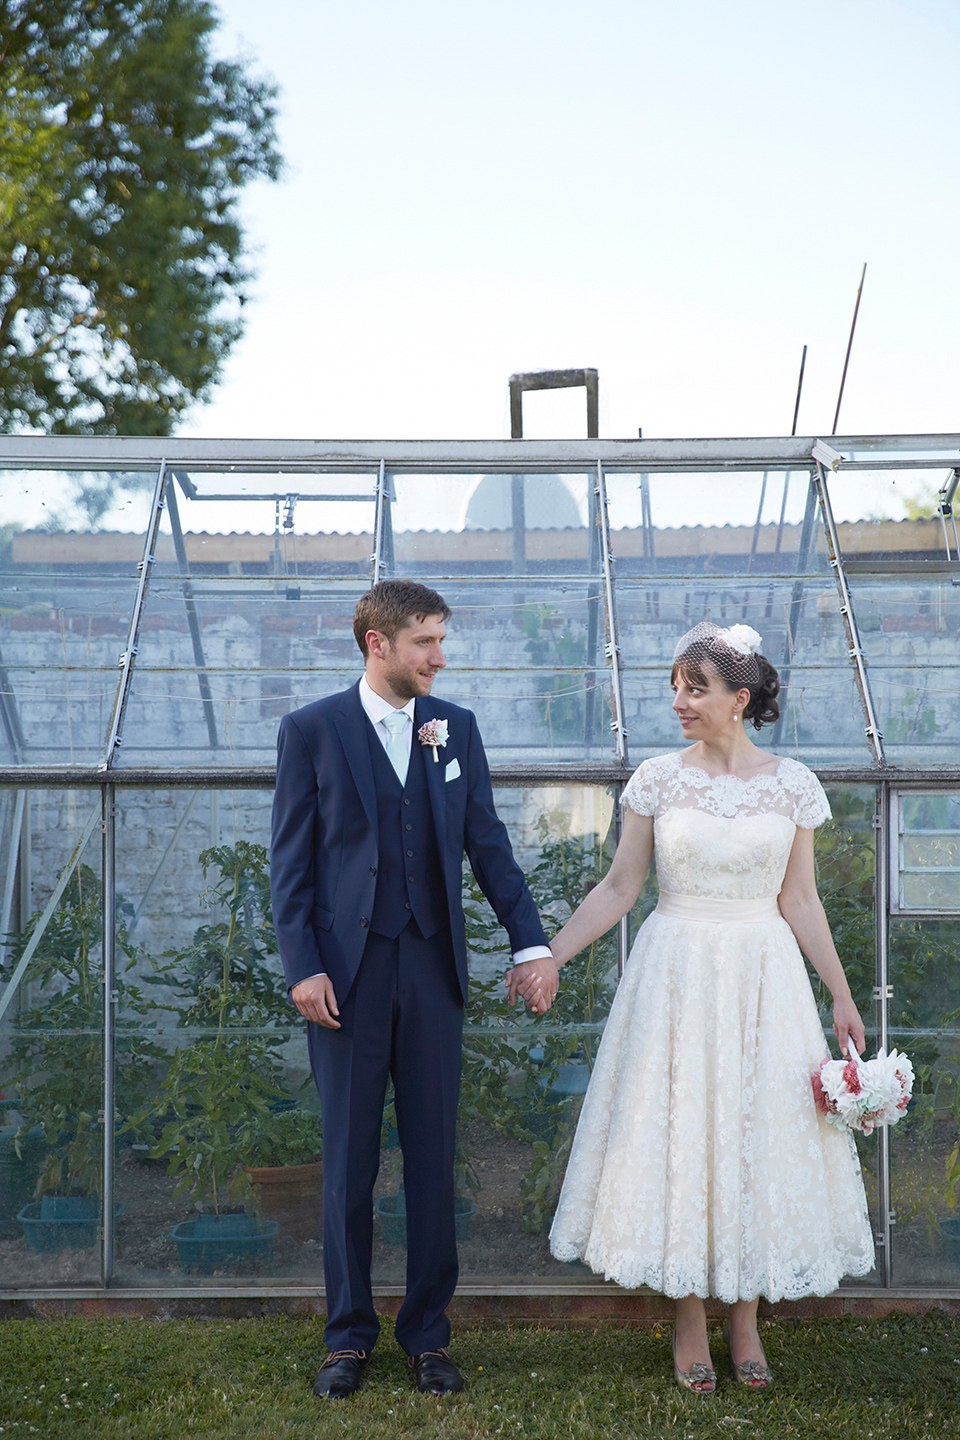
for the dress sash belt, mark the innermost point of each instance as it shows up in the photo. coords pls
(730, 912)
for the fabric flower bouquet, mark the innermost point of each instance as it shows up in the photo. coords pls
(857, 1094)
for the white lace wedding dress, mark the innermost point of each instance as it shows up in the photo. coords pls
(700, 1164)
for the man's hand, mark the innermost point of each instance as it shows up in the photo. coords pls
(316, 1001)
(536, 982)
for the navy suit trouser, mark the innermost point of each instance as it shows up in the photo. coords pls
(403, 1017)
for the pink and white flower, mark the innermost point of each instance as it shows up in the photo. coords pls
(856, 1094)
(434, 733)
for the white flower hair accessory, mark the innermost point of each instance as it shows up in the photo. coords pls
(434, 733)
(742, 638)
(734, 651)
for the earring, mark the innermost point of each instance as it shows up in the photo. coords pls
(735, 715)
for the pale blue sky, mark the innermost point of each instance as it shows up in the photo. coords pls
(680, 194)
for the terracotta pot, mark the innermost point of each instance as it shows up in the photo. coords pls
(291, 1195)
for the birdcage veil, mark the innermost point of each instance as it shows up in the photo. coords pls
(732, 652)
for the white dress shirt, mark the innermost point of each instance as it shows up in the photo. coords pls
(375, 708)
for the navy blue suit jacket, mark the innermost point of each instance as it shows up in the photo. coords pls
(324, 850)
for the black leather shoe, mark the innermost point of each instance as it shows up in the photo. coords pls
(341, 1374)
(435, 1373)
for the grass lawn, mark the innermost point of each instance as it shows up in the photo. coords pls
(230, 1379)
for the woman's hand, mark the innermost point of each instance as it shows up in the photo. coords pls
(536, 982)
(848, 1027)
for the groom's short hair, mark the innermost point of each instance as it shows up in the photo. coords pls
(388, 605)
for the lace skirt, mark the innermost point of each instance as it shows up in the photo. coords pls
(700, 1164)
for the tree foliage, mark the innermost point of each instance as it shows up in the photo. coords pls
(126, 146)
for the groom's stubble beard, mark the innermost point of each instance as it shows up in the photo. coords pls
(406, 681)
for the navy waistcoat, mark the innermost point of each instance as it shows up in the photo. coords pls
(409, 874)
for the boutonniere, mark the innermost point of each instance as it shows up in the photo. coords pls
(434, 733)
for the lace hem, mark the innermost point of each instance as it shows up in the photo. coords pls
(632, 1272)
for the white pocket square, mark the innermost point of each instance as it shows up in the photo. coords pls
(453, 770)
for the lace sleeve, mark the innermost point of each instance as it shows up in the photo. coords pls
(811, 806)
(641, 790)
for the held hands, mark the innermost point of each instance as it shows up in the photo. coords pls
(536, 982)
(316, 1000)
(848, 1027)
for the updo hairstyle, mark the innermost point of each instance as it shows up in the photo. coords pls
(762, 708)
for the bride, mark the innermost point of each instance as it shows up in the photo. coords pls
(700, 1166)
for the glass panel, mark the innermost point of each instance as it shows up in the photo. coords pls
(68, 577)
(755, 557)
(524, 1077)
(528, 662)
(442, 525)
(908, 608)
(241, 627)
(845, 851)
(924, 1178)
(929, 851)
(525, 654)
(223, 1081)
(51, 1044)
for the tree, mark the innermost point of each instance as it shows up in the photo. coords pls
(125, 149)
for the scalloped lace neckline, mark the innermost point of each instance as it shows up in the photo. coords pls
(711, 779)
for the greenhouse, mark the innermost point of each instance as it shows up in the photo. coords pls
(150, 1062)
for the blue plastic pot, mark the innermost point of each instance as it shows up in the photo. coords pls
(63, 1222)
(392, 1214)
(18, 1174)
(213, 1241)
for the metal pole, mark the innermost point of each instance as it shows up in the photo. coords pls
(193, 622)
(376, 558)
(857, 657)
(518, 522)
(10, 715)
(593, 616)
(796, 408)
(10, 988)
(10, 882)
(881, 995)
(610, 607)
(843, 378)
(108, 1116)
(756, 528)
(807, 532)
(133, 631)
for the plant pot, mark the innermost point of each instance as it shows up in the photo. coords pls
(292, 1195)
(950, 1230)
(63, 1222)
(18, 1175)
(392, 1214)
(213, 1241)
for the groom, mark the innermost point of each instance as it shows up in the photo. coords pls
(380, 790)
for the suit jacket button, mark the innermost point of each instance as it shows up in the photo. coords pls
(364, 920)
(406, 802)
(373, 869)
(410, 854)
(407, 906)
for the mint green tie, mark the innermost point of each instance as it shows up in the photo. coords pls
(397, 752)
